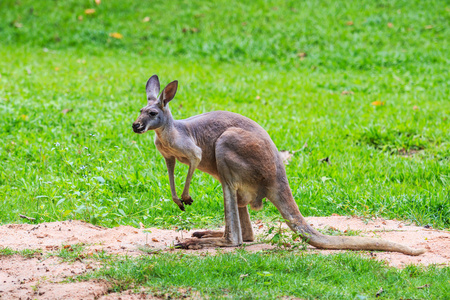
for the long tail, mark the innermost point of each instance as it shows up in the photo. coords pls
(284, 201)
(319, 240)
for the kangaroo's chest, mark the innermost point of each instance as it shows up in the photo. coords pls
(168, 150)
(185, 150)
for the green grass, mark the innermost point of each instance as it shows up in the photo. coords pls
(28, 253)
(244, 275)
(88, 164)
(265, 32)
(263, 275)
(69, 92)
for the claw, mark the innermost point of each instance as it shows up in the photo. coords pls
(188, 200)
(179, 203)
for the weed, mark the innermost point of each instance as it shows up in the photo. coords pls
(71, 253)
(282, 237)
(330, 230)
(27, 253)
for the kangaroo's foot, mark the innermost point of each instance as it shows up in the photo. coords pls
(207, 234)
(187, 199)
(196, 243)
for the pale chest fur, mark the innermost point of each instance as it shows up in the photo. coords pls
(169, 150)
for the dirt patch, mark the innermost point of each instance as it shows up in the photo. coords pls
(46, 277)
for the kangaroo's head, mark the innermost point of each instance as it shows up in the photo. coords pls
(156, 113)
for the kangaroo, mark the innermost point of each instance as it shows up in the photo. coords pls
(240, 154)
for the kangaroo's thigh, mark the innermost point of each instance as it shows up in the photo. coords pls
(249, 158)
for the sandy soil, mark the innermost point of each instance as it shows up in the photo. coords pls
(43, 277)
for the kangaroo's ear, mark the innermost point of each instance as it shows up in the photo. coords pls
(152, 88)
(168, 93)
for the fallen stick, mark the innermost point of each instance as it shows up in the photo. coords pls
(28, 218)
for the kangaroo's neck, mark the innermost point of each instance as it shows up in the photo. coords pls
(165, 132)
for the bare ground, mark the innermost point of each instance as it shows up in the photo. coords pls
(43, 277)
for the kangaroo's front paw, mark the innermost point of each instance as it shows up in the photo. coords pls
(179, 203)
(187, 200)
(181, 206)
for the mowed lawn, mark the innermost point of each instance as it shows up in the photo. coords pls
(364, 83)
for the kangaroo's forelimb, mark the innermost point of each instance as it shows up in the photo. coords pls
(193, 164)
(185, 197)
(191, 157)
(170, 164)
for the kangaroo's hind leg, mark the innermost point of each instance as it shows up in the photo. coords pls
(232, 235)
(244, 219)
(246, 225)
(246, 228)
(232, 168)
(239, 154)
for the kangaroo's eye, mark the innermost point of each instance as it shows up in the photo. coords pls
(153, 113)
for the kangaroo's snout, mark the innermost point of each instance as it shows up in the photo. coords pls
(137, 127)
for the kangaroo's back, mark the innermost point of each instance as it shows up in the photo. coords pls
(210, 126)
(206, 128)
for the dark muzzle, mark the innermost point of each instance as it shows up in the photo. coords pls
(137, 127)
